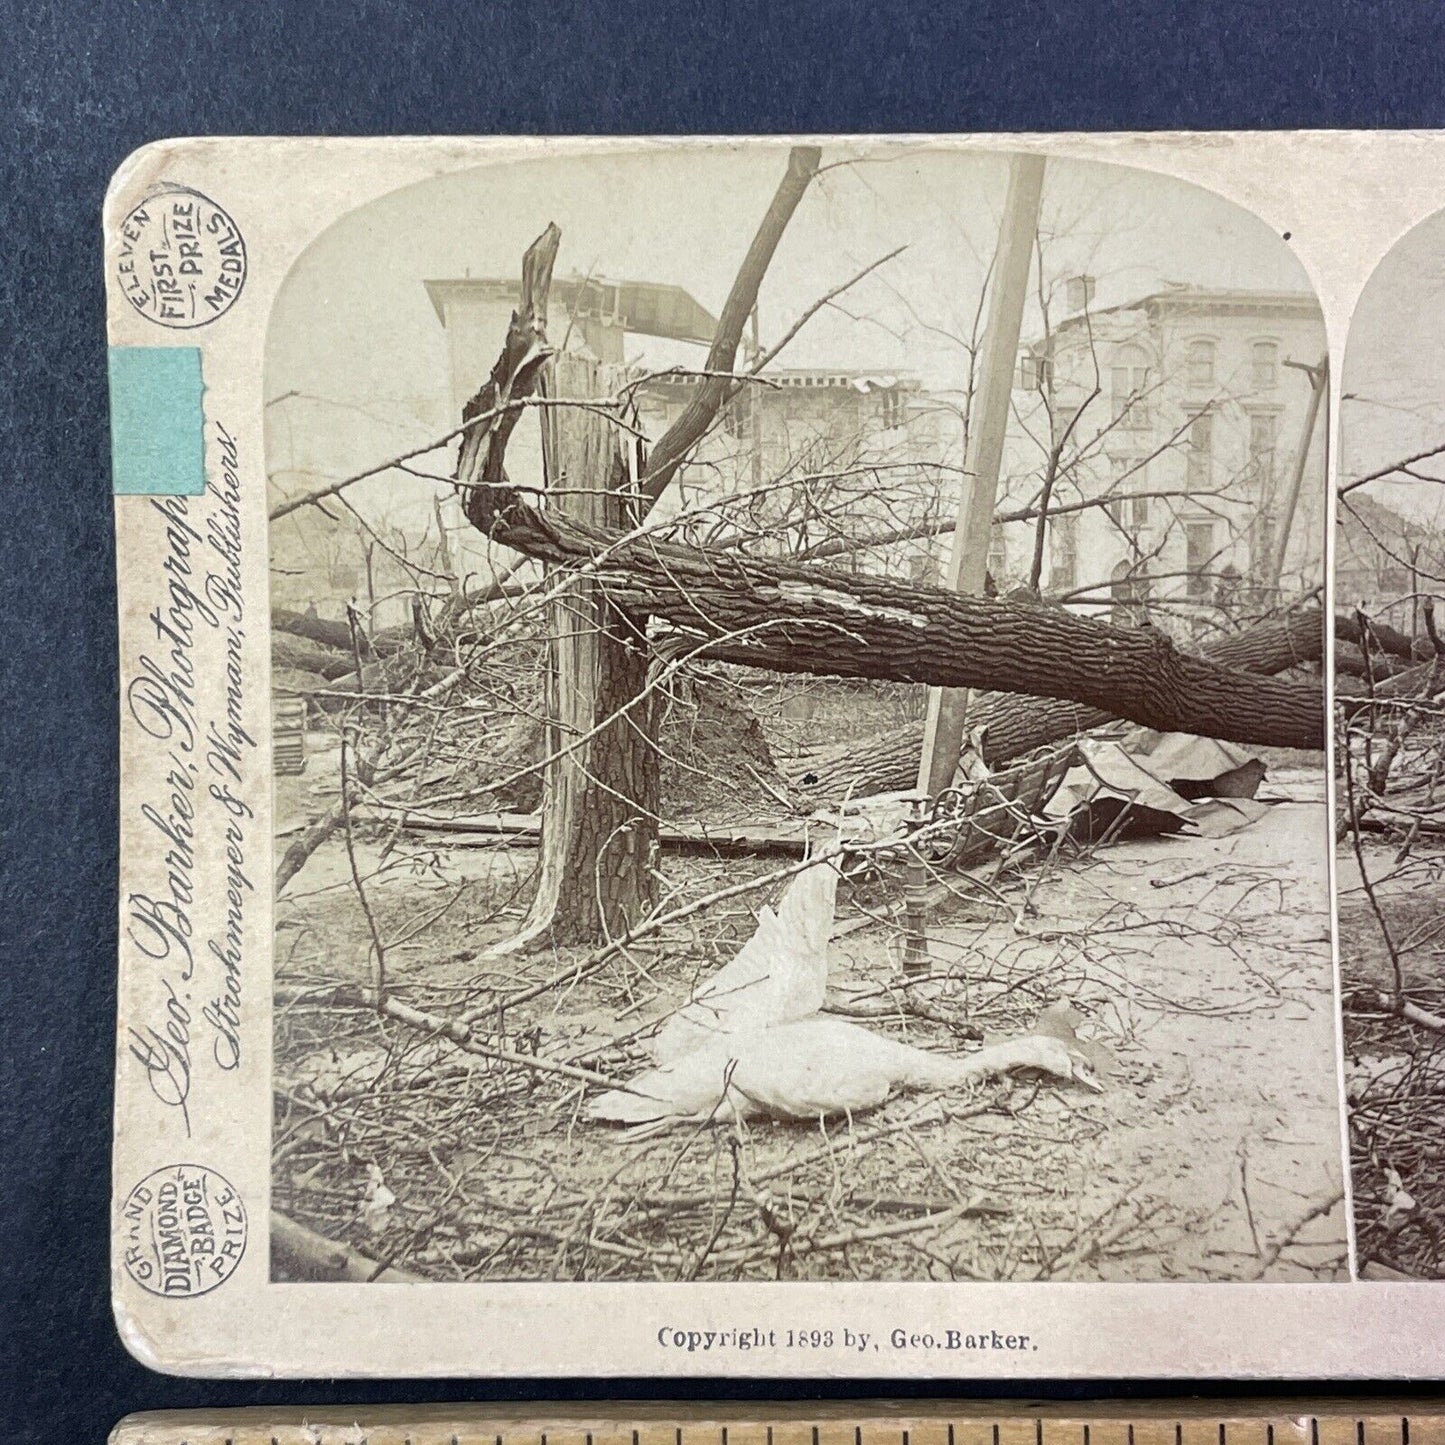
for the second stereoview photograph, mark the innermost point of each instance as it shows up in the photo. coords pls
(825, 778)
(1389, 580)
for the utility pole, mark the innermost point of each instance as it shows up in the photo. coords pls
(968, 560)
(1319, 376)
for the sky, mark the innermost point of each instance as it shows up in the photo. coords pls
(1394, 372)
(356, 360)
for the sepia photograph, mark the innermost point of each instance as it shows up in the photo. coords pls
(1389, 574)
(798, 725)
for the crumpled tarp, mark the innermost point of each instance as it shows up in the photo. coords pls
(1164, 782)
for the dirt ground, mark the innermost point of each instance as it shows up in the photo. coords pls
(1202, 965)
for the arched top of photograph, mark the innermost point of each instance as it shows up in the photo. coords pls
(1163, 343)
(1391, 541)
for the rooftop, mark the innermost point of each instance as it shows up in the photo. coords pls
(1205, 300)
(645, 308)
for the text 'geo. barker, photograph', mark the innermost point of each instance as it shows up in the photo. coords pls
(798, 729)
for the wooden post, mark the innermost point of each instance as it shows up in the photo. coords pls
(1319, 376)
(968, 561)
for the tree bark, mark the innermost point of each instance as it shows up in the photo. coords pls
(316, 629)
(1013, 725)
(797, 618)
(601, 785)
(1383, 637)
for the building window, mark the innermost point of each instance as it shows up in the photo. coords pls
(1263, 434)
(1064, 423)
(1128, 380)
(1129, 512)
(1200, 452)
(997, 558)
(890, 407)
(1199, 365)
(1035, 373)
(1264, 365)
(1064, 569)
(1199, 558)
(1079, 293)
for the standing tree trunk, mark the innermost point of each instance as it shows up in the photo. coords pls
(600, 804)
(600, 791)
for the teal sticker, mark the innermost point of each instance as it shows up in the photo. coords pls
(157, 427)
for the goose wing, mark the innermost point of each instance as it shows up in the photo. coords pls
(780, 974)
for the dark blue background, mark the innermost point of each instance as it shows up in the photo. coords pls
(84, 85)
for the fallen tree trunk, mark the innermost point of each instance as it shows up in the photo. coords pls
(320, 630)
(328, 633)
(1354, 694)
(302, 1254)
(1350, 661)
(1383, 637)
(1013, 725)
(306, 656)
(789, 617)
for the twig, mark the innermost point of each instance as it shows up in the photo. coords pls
(347, 741)
(1292, 1231)
(461, 1035)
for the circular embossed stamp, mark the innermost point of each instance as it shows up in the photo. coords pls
(182, 1231)
(182, 259)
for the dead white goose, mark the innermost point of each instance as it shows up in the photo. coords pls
(818, 1068)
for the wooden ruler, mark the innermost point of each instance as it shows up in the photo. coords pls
(1418, 1421)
